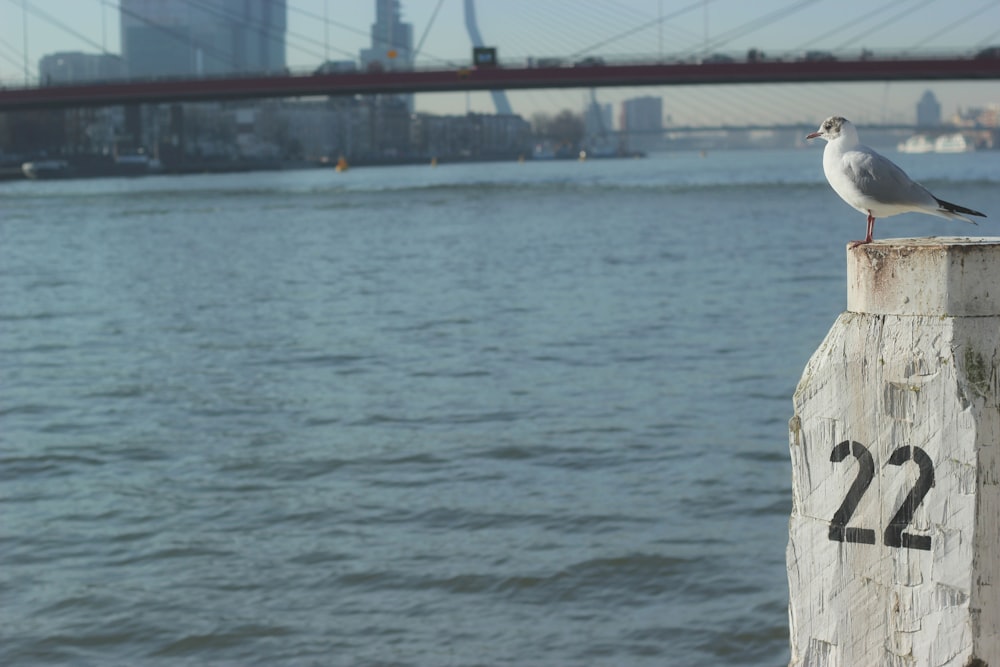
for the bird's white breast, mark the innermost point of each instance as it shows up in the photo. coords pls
(835, 169)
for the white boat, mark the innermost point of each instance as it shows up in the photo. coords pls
(953, 143)
(46, 169)
(918, 143)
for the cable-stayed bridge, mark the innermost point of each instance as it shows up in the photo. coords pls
(604, 34)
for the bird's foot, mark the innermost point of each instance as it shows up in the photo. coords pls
(854, 244)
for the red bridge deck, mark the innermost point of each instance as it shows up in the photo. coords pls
(454, 80)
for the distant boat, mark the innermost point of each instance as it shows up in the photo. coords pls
(134, 164)
(543, 152)
(918, 143)
(341, 164)
(953, 143)
(44, 169)
(946, 143)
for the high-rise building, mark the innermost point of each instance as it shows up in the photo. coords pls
(392, 45)
(928, 110)
(76, 67)
(183, 38)
(392, 40)
(642, 121)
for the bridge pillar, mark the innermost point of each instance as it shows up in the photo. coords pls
(177, 146)
(133, 124)
(894, 539)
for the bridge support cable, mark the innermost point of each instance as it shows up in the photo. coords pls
(848, 25)
(658, 21)
(992, 4)
(989, 39)
(754, 25)
(51, 20)
(14, 58)
(430, 23)
(907, 8)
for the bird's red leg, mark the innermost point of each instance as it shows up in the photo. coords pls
(868, 237)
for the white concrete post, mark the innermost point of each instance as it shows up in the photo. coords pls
(894, 539)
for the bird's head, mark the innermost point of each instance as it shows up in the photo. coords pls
(831, 128)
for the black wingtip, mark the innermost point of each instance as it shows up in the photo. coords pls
(955, 208)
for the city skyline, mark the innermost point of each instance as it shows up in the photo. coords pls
(321, 30)
(180, 39)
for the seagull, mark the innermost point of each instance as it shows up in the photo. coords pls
(872, 183)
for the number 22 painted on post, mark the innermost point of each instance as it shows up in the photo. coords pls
(893, 535)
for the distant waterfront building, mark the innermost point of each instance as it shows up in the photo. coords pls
(324, 130)
(472, 136)
(982, 125)
(77, 67)
(928, 110)
(93, 130)
(597, 120)
(988, 116)
(642, 122)
(183, 38)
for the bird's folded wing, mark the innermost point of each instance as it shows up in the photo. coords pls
(880, 179)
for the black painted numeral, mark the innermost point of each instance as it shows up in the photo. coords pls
(894, 535)
(839, 532)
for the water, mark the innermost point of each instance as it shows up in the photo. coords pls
(491, 414)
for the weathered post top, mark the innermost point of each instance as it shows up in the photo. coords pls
(894, 537)
(946, 276)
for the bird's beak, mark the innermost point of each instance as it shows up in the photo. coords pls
(813, 135)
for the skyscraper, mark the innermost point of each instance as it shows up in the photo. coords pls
(928, 110)
(194, 38)
(392, 40)
(392, 44)
(642, 121)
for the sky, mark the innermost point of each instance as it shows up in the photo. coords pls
(616, 30)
